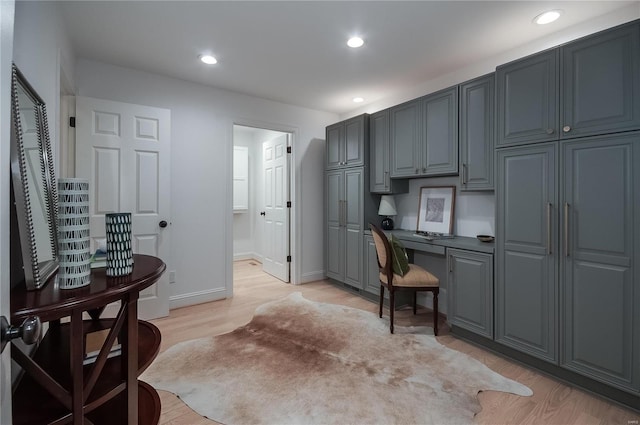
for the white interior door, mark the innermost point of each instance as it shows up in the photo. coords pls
(275, 172)
(123, 149)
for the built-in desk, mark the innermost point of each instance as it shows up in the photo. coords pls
(464, 266)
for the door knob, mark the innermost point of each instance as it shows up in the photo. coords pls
(162, 224)
(566, 129)
(29, 330)
(263, 213)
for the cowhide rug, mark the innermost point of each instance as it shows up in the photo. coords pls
(302, 362)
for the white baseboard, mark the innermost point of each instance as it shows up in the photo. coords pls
(184, 300)
(247, 256)
(311, 277)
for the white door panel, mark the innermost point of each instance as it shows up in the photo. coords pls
(123, 149)
(276, 220)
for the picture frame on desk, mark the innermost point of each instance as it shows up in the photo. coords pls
(436, 209)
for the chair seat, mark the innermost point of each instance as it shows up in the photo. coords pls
(415, 277)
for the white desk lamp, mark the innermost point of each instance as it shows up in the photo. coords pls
(387, 208)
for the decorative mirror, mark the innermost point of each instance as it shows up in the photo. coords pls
(34, 183)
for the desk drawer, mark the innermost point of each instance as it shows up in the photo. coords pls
(424, 247)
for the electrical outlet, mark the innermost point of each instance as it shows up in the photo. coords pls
(172, 276)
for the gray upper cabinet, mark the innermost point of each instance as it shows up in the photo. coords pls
(477, 133)
(527, 96)
(601, 83)
(380, 161)
(470, 291)
(406, 139)
(424, 136)
(526, 242)
(600, 252)
(440, 145)
(346, 143)
(587, 87)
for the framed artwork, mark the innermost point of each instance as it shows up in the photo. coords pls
(436, 209)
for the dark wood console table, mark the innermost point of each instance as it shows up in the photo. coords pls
(57, 387)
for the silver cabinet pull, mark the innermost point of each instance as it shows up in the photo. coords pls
(424, 170)
(566, 229)
(464, 173)
(417, 171)
(549, 130)
(339, 213)
(549, 208)
(566, 129)
(344, 205)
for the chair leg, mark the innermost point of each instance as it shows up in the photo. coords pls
(392, 307)
(435, 313)
(415, 302)
(381, 299)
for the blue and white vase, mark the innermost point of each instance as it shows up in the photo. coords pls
(119, 253)
(74, 252)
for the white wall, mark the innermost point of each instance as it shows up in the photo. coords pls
(201, 151)
(6, 48)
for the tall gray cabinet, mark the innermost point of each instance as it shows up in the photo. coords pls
(348, 204)
(568, 202)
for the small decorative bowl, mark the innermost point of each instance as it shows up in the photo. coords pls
(485, 238)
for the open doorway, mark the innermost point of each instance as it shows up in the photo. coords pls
(262, 199)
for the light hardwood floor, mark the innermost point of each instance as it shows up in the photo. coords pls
(552, 402)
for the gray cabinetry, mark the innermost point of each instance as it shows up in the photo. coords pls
(587, 87)
(601, 83)
(345, 224)
(424, 136)
(526, 244)
(380, 161)
(470, 291)
(600, 287)
(371, 279)
(346, 143)
(477, 133)
(406, 139)
(527, 96)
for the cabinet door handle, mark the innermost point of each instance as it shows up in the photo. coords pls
(549, 130)
(344, 205)
(339, 213)
(566, 128)
(424, 170)
(549, 208)
(451, 264)
(566, 229)
(464, 173)
(417, 171)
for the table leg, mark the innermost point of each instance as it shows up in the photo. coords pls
(77, 357)
(130, 350)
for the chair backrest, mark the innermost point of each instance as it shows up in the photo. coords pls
(383, 251)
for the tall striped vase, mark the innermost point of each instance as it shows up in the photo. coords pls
(119, 253)
(73, 233)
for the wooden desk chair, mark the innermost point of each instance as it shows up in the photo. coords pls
(416, 279)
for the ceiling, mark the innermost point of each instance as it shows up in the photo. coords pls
(295, 51)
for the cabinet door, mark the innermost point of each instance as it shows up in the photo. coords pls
(371, 279)
(335, 224)
(406, 138)
(470, 291)
(601, 83)
(440, 144)
(526, 244)
(476, 133)
(527, 96)
(600, 286)
(335, 146)
(379, 162)
(353, 204)
(354, 134)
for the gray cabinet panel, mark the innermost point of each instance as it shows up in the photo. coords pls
(440, 145)
(601, 83)
(354, 130)
(599, 289)
(527, 95)
(334, 239)
(470, 291)
(347, 143)
(335, 145)
(526, 238)
(477, 133)
(380, 160)
(406, 138)
(371, 280)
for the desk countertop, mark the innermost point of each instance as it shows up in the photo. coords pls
(459, 242)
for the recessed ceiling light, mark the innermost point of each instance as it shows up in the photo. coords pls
(208, 59)
(358, 99)
(547, 17)
(355, 42)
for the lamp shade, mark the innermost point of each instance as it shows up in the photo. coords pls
(387, 205)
